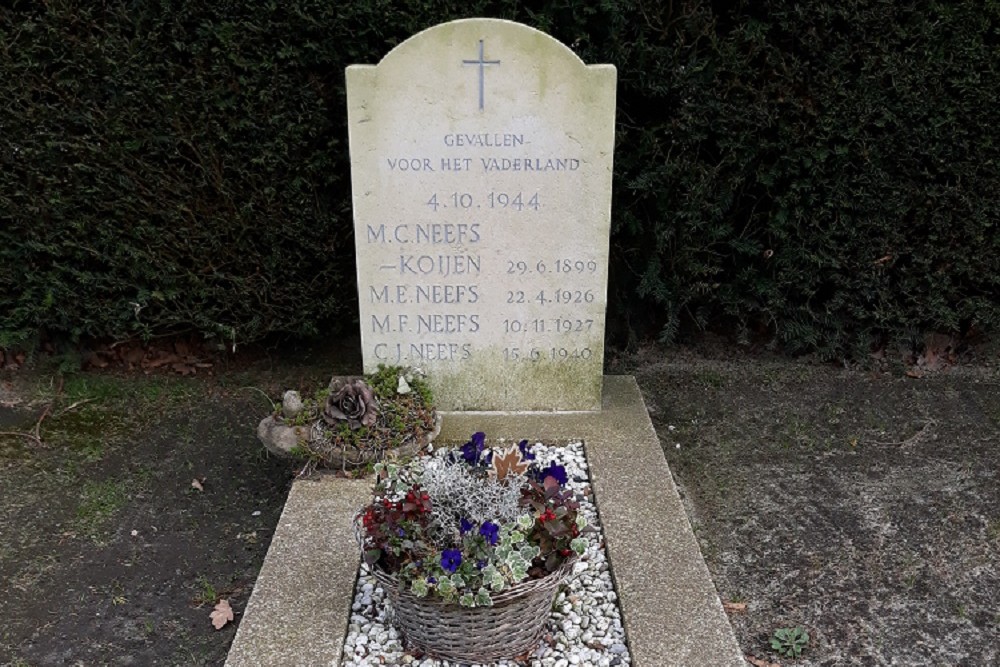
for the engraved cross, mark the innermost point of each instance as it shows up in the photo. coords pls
(482, 66)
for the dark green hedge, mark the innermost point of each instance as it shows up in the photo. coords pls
(172, 166)
(825, 170)
(821, 172)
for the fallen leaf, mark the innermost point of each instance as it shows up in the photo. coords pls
(133, 356)
(914, 374)
(94, 360)
(222, 614)
(930, 359)
(163, 361)
(197, 485)
(509, 462)
(734, 607)
(757, 662)
(524, 658)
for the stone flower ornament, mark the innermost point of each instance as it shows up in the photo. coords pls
(354, 403)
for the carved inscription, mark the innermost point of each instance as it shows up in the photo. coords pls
(422, 277)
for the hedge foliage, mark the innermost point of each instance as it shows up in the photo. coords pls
(821, 169)
(823, 172)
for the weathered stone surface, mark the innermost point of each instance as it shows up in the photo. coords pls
(300, 605)
(279, 438)
(481, 159)
(291, 404)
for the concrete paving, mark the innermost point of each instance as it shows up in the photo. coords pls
(301, 603)
(298, 612)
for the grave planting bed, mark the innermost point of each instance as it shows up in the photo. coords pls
(585, 627)
(301, 606)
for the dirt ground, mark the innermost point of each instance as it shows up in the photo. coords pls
(109, 555)
(864, 508)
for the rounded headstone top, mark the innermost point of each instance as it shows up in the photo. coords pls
(480, 28)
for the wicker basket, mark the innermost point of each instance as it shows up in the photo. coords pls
(511, 627)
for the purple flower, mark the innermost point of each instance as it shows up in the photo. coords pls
(469, 453)
(480, 564)
(490, 531)
(525, 451)
(450, 560)
(474, 447)
(432, 580)
(556, 471)
(464, 525)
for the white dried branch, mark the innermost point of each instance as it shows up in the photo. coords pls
(459, 491)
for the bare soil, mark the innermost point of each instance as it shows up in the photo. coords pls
(109, 555)
(861, 507)
(864, 508)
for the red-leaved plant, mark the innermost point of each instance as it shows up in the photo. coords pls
(470, 522)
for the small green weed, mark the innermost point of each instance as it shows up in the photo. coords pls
(206, 592)
(789, 642)
(118, 597)
(710, 378)
(993, 529)
(91, 451)
(94, 388)
(98, 501)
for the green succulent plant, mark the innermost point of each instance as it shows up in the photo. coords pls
(790, 642)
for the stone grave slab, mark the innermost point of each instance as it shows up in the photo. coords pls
(300, 606)
(481, 161)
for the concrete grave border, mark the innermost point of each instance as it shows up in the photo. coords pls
(300, 606)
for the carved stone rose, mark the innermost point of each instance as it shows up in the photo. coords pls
(354, 403)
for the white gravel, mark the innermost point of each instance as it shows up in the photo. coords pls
(584, 629)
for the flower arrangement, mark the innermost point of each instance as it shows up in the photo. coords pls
(381, 410)
(466, 523)
(355, 421)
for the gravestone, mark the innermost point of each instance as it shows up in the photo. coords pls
(481, 164)
(481, 160)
